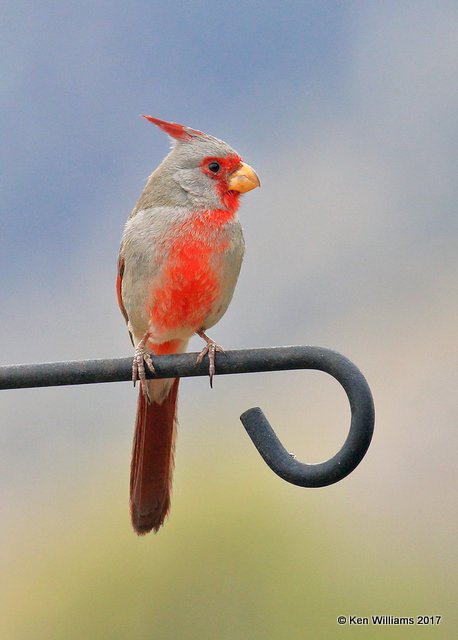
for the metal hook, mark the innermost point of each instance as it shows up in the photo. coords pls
(254, 421)
(355, 446)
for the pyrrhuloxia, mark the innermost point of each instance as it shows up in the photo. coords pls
(180, 258)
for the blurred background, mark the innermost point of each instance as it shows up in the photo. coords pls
(347, 111)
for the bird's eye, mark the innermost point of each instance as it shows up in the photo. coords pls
(214, 167)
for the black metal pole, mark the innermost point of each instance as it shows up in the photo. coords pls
(254, 421)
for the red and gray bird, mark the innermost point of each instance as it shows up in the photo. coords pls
(180, 257)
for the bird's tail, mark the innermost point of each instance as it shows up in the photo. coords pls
(152, 460)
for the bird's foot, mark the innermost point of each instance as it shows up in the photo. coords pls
(210, 348)
(142, 357)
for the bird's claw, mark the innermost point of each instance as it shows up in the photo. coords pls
(210, 349)
(141, 357)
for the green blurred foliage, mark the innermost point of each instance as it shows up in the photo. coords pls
(243, 555)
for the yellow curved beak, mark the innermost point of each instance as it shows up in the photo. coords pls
(243, 179)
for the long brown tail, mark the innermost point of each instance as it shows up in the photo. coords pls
(152, 461)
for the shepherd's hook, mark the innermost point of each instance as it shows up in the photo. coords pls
(355, 446)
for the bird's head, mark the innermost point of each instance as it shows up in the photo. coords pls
(201, 171)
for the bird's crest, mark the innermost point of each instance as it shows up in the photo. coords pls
(175, 130)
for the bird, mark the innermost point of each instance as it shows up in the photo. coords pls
(180, 256)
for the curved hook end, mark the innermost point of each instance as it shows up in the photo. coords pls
(311, 475)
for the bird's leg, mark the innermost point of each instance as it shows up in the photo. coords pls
(141, 356)
(210, 348)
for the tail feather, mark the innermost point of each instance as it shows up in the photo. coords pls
(152, 461)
